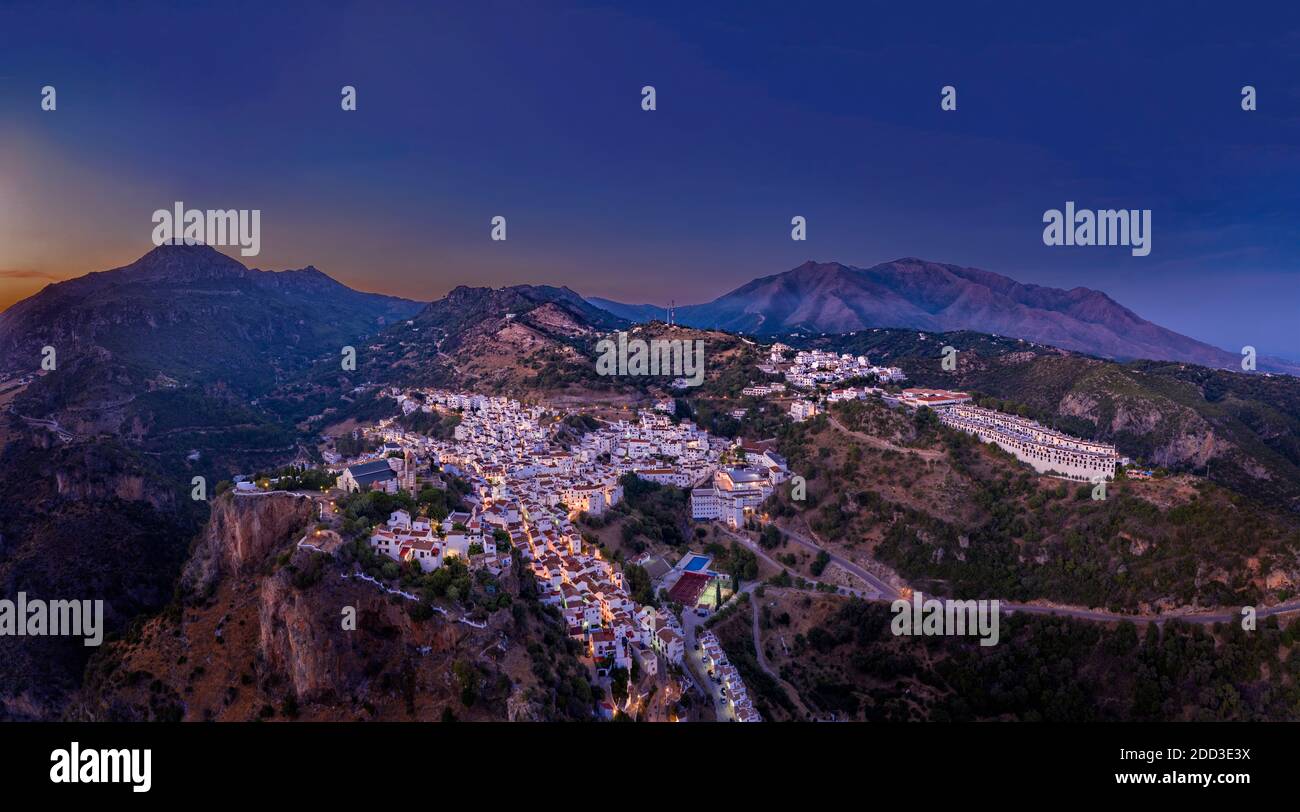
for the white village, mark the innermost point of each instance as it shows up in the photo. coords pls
(527, 489)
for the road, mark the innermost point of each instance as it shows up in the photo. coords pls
(883, 590)
(890, 593)
(694, 662)
(756, 549)
(50, 424)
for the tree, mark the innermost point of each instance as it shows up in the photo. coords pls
(819, 563)
(467, 679)
(618, 685)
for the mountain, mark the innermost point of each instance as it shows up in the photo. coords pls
(913, 293)
(197, 316)
(159, 368)
(466, 311)
(516, 339)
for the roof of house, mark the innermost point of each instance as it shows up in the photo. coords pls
(369, 472)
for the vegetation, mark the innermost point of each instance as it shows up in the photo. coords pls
(432, 424)
(659, 513)
(969, 520)
(297, 478)
(1046, 669)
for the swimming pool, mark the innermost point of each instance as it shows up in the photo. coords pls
(696, 563)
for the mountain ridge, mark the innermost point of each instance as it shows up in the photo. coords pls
(911, 293)
(192, 312)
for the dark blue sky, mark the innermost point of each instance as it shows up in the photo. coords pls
(765, 111)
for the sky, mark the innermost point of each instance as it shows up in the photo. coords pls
(764, 111)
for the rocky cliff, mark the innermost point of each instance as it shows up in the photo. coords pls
(267, 630)
(243, 530)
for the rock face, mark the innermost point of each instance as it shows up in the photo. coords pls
(260, 634)
(243, 530)
(521, 708)
(302, 638)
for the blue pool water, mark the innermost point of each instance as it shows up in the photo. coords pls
(696, 563)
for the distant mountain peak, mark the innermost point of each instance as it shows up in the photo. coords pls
(190, 311)
(914, 293)
(179, 256)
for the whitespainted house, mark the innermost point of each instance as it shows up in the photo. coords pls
(738, 695)
(812, 367)
(418, 540)
(526, 487)
(737, 492)
(1048, 451)
(801, 410)
(916, 398)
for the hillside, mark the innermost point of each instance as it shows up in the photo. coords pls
(529, 341)
(1241, 429)
(93, 521)
(957, 517)
(159, 364)
(840, 658)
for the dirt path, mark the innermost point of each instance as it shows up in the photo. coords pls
(754, 600)
(885, 445)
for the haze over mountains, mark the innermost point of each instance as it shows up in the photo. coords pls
(831, 297)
